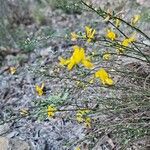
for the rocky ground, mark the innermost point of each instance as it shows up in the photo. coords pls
(17, 91)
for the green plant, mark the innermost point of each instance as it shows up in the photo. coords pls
(71, 6)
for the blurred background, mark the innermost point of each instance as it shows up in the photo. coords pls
(20, 20)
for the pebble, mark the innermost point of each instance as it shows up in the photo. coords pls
(4, 143)
(13, 144)
(4, 128)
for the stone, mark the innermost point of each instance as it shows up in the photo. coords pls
(4, 143)
(13, 144)
(144, 3)
(4, 128)
(17, 144)
(46, 52)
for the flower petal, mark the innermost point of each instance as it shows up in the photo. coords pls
(87, 64)
(63, 61)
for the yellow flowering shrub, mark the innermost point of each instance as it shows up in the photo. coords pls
(77, 148)
(90, 33)
(81, 117)
(104, 77)
(77, 57)
(99, 88)
(128, 41)
(117, 22)
(135, 19)
(12, 70)
(40, 89)
(74, 36)
(111, 35)
(106, 56)
(51, 111)
(24, 112)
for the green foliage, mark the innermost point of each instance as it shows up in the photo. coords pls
(146, 15)
(56, 100)
(53, 100)
(129, 133)
(68, 6)
(28, 45)
(38, 15)
(47, 31)
(12, 37)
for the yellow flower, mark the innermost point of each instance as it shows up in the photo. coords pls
(132, 38)
(91, 81)
(89, 33)
(74, 36)
(120, 50)
(125, 42)
(81, 117)
(12, 70)
(104, 77)
(87, 63)
(106, 56)
(128, 41)
(63, 61)
(109, 15)
(80, 114)
(78, 54)
(80, 84)
(39, 89)
(77, 57)
(111, 35)
(88, 122)
(51, 111)
(77, 148)
(24, 111)
(135, 19)
(117, 22)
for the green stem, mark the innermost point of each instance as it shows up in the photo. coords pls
(133, 27)
(116, 28)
